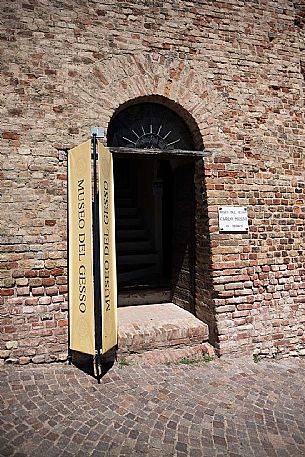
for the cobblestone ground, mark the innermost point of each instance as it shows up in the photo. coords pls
(222, 408)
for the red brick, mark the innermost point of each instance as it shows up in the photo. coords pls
(18, 274)
(10, 136)
(63, 323)
(61, 280)
(44, 273)
(31, 301)
(63, 289)
(23, 291)
(38, 290)
(9, 329)
(51, 291)
(6, 292)
(48, 281)
(57, 272)
(30, 273)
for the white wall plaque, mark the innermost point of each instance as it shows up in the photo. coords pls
(233, 219)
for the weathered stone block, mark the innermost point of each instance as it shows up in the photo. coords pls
(11, 345)
(38, 359)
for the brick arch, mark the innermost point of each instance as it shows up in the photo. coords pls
(125, 78)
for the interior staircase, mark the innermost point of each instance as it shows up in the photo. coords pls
(136, 257)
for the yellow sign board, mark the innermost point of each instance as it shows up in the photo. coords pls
(81, 298)
(107, 250)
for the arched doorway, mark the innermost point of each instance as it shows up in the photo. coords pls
(155, 204)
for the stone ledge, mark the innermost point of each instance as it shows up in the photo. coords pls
(148, 327)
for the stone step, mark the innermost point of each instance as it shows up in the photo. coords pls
(138, 258)
(131, 235)
(122, 201)
(124, 192)
(128, 222)
(135, 272)
(129, 211)
(187, 355)
(128, 246)
(158, 326)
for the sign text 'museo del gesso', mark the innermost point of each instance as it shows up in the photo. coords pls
(233, 219)
(107, 251)
(83, 311)
(81, 305)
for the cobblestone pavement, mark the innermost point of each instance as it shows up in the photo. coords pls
(222, 408)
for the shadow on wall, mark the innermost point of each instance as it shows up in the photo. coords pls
(183, 237)
(205, 292)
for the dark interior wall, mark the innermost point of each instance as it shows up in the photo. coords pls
(183, 263)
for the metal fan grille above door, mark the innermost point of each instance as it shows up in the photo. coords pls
(149, 126)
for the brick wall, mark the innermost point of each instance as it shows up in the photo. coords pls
(237, 68)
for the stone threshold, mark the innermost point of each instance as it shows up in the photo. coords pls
(161, 332)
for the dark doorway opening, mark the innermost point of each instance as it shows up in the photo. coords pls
(155, 205)
(155, 229)
(144, 222)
